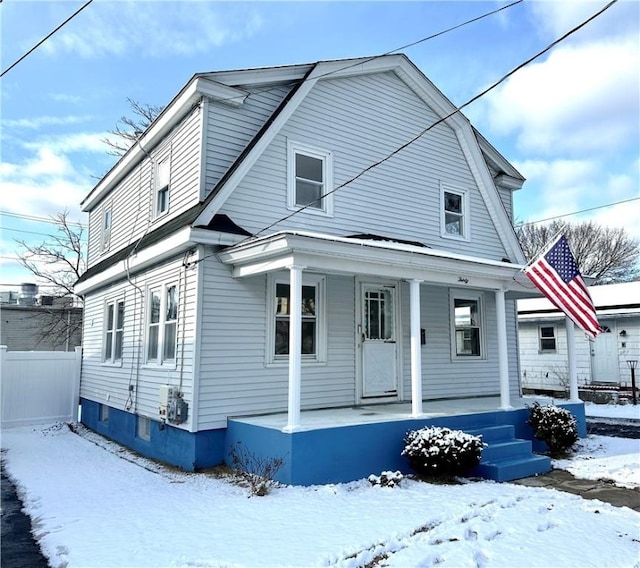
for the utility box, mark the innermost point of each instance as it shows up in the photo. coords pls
(172, 406)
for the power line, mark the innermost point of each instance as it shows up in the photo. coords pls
(51, 221)
(28, 232)
(443, 119)
(577, 212)
(45, 38)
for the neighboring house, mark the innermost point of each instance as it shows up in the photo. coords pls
(248, 223)
(39, 323)
(603, 361)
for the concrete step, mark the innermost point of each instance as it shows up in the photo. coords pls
(513, 468)
(506, 449)
(493, 433)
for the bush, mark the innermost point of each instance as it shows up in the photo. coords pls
(386, 479)
(257, 472)
(438, 451)
(555, 426)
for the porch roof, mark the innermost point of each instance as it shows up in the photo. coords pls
(320, 252)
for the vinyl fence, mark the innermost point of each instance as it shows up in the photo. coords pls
(39, 387)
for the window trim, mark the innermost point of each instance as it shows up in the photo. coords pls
(110, 358)
(464, 196)
(541, 349)
(326, 156)
(160, 360)
(319, 282)
(157, 189)
(481, 326)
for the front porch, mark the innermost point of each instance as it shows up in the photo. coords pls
(345, 444)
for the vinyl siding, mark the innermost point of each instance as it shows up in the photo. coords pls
(132, 200)
(109, 383)
(362, 120)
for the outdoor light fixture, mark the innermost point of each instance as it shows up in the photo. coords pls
(623, 333)
(633, 363)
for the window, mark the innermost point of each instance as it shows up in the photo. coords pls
(144, 428)
(163, 177)
(547, 338)
(104, 413)
(162, 324)
(313, 341)
(310, 179)
(454, 219)
(105, 231)
(114, 332)
(467, 339)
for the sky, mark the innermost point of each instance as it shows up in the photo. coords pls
(569, 121)
(96, 505)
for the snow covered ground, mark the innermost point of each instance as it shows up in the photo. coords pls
(97, 505)
(617, 411)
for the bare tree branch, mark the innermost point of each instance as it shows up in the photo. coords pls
(129, 129)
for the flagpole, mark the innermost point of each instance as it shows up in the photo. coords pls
(545, 249)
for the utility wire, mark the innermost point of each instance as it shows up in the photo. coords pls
(38, 219)
(441, 120)
(37, 45)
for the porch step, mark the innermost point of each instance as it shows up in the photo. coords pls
(506, 457)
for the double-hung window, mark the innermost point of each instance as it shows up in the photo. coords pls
(105, 230)
(313, 340)
(162, 184)
(467, 326)
(454, 217)
(114, 332)
(162, 324)
(547, 338)
(310, 179)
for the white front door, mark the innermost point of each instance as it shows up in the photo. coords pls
(379, 347)
(604, 356)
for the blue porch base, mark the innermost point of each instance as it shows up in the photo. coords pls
(331, 454)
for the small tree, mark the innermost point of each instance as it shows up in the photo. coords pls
(129, 128)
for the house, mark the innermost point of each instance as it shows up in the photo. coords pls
(32, 322)
(601, 362)
(308, 260)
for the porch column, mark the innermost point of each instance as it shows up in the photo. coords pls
(503, 351)
(295, 346)
(416, 355)
(571, 356)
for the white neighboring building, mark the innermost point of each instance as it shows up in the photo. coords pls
(543, 341)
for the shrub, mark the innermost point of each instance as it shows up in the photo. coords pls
(439, 451)
(257, 472)
(386, 479)
(555, 426)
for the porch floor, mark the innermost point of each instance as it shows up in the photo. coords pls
(387, 412)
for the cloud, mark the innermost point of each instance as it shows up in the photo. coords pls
(156, 29)
(40, 121)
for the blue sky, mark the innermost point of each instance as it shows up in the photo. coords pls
(569, 122)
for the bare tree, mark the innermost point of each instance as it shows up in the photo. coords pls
(129, 128)
(606, 254)
(57, 263)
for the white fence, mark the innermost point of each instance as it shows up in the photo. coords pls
(39, 387)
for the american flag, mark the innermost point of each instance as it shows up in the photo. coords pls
(557, 276)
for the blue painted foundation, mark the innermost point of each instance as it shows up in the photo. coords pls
(323, 455)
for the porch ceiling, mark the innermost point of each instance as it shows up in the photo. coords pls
(325, 253)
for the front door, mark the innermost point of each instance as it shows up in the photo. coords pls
(379, 347)
(604, 356)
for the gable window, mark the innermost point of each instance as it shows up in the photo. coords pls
(467, 325)
(547, 338)
(162, 324)
(310, 179)
(453, 214)
(114, 332)
(162, 183)
(313, 341)
(105, 231)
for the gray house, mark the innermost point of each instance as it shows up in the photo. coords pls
(309, 260)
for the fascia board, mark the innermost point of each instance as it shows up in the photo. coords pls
(208, 237)
(222, 93)
(260, 75)
(146, 258)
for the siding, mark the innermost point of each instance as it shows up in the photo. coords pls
(361, 120)
(109, 384)
(132, 199)
(234, 377)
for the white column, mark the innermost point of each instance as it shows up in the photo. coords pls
(295, 347)
(416, 355)
(503, 351)
(571, 356)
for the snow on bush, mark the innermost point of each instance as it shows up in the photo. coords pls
(555, 426)
(441, 451)
(386, 479)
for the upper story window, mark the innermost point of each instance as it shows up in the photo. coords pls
(113, 332)
(162, 186)
(162, 324)
(454, 216)
(105, 231)
(310, 179)
(467, 325)
(547, 338)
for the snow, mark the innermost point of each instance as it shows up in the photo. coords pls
(616, 411)
(97, 505)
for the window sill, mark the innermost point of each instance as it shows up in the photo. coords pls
(311, 211)
(449, 237)
(111, 363)
(172, 365)
(285, 363)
